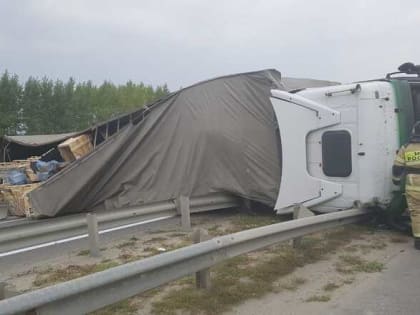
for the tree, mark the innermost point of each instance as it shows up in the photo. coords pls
(46, 106)
(10, 95)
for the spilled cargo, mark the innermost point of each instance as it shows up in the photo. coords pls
(19, 177)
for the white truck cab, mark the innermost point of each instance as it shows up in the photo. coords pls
(339, 142)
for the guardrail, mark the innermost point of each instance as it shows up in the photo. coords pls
(29, 233)
(97, 290)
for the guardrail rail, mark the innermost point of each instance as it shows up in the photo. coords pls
(98, 290)
(27, 233)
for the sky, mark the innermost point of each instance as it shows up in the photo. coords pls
(180, 42)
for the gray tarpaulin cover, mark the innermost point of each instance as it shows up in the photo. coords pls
(216, 136)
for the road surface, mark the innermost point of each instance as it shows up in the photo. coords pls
(395, 290)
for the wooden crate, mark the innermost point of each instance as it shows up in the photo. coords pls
(22, 165)
(17, 163)
(3, 203)
(75, 148)
(16, 196)
(12, 165)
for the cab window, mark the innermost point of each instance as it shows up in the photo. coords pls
(336, 153)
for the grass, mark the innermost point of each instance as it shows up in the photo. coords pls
(129, 243)
(51, 276)
(25, 273)
(214, 230)
(249, 221)
(252, 276)
(180, 244)
(177, 234)
(350, 264)
(128, 257)
(399, 239)
(375, 245)
(126, 307)
(331, 286)
(244, 221)
(86, 252)
(155, 239)
(378, 245)
(160, 231)
(293, 284)
(318, 298)
(348, 280)
(372, 266)
(351, 248)
(367, 247)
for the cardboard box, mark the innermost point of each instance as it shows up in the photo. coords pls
(75, 148)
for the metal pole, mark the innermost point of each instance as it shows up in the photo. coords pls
(92, 223)
(298, 240)
(95, 137)
(2, 289)
(183, 206)
(202, 277)
(4, 211)
(7, 291)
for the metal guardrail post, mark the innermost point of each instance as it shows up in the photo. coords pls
(202, 277)
(299, 212)
(2, 288)
(298, 240)
(92, 223)
(183, 207)
(7, 291)
(3, 211)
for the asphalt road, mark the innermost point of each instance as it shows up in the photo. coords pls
(396, 290)
(13, 263)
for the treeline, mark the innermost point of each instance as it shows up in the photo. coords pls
(42, 106)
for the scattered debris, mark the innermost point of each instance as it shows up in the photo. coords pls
(19, 177)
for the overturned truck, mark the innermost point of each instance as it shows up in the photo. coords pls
(219, 135)
(255, 135)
